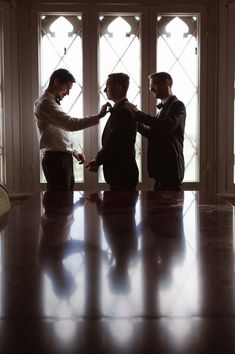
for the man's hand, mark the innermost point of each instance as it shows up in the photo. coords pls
(104, 110)
(94, 198)
(92, 166)
(80, 157)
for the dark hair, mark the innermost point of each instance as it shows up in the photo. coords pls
(120, 79)
(62, 75)
(161, 76)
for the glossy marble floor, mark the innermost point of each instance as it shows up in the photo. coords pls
(142, 272)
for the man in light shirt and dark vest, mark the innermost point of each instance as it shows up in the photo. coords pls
(54, 126)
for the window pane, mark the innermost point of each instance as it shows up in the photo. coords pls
(61, 47)
(177, 54)
(119, 51)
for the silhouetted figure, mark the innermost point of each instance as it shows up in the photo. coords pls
(54, 126)
(55, 241)
(165, 134)
(117, 210)
(163, 243)
(117, 155)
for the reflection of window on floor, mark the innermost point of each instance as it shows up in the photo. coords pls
(62, 246)
(177, 45)
(179, 292)
(119, 51)
(1, 249)
(61, 47)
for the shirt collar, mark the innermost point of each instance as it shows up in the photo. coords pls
(118, 102)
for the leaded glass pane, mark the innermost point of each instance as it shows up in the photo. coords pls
(61, 47)
(177, 54)
(119, 51)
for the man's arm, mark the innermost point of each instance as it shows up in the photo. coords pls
(144, 118)
(168, 121)
(50, 112)
(143, 130)
(79, 156)
(92, 166)
(173, 118)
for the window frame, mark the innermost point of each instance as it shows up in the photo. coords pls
(230, 104)
(141, 11)
(201, 12)
(9, 134)
(90, 15)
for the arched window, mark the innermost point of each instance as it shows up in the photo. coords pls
(94, 45)
(177, 54)
(119, 51)
(61, 47)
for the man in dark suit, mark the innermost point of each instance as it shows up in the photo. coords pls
(165, 134)
(117, 154)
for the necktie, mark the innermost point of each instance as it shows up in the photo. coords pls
(111, 108)
(160, 105)
(57, 99)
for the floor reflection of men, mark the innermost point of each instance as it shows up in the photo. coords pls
(163, 244)
(117, 210)
(55, 241)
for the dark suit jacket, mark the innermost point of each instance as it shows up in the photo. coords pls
(118, 148)
(165, 135)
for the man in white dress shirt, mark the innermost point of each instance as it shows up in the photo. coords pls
(53, 126)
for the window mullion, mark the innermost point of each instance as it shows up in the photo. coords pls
(93, 92)
(87, 85)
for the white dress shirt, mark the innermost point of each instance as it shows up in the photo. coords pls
(54, 124)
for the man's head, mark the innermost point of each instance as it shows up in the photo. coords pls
(160, 84)
(116, 86)
(61, 82)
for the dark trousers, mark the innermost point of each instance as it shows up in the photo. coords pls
(168, 186)
(124, 178)
(58, 170)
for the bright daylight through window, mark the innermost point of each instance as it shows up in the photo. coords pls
(61, 47)
(177, 53)
(119, 41)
